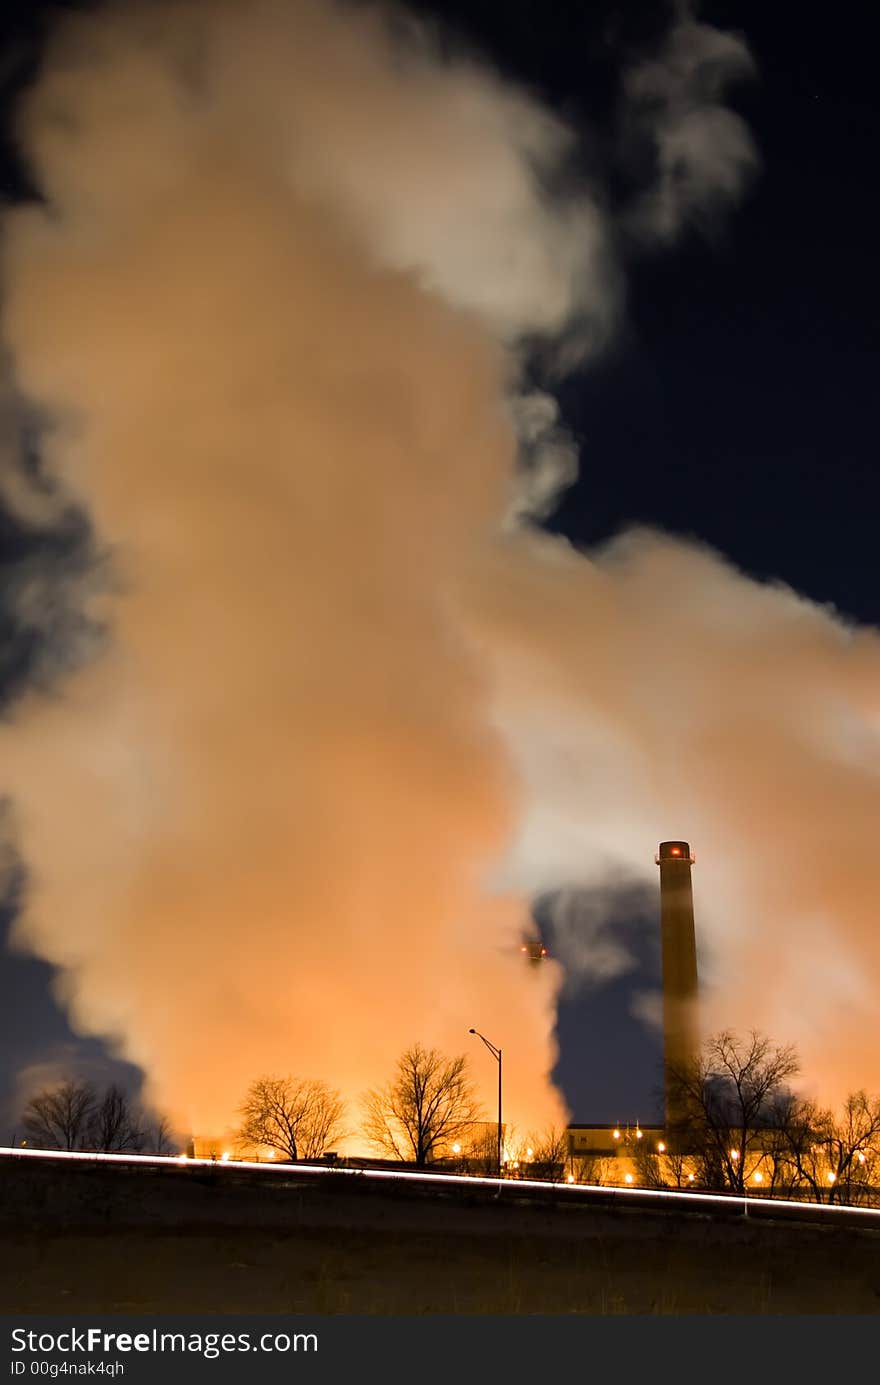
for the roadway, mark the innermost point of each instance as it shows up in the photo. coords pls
(515, 1190)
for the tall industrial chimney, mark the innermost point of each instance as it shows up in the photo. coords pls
(679, 946)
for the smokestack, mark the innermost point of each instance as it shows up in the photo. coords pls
(680, 1043)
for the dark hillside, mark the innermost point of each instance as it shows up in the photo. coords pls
(88, 1238)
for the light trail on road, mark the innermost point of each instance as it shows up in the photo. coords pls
(670, 1198)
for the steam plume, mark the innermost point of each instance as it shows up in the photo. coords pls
(272, 314)
(259, 825)
(654, 692)
(703, 151)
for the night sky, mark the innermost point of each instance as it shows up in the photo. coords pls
(736, 405)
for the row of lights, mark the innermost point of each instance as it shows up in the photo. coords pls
(757, 1177)
(661, 1149)
(628, 1178)
(224, 1157)
(638, 1133)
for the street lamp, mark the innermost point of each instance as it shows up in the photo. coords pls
(496, 1053)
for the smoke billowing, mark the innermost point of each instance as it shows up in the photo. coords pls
(259, 825)
(696, 703)
(336, 717)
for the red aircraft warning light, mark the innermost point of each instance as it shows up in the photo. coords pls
(674, 851)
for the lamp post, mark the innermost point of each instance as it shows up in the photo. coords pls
(496, 1053)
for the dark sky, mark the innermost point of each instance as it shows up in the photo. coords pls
(737, 406)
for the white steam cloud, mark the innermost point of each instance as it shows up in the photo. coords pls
(348, 718)
(703, 151)
(653, 692)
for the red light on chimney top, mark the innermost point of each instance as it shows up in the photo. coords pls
(676, 851)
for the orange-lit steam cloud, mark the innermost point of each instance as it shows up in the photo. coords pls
(291, 817)
(259, 827)
(654, 692)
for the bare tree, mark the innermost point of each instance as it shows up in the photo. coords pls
(730, 1096)
(298, 1117)
(661, 1167)
(114, 1124)
(477, 1146)
(592, 1168)
(852, 1149)
(159, 1136)
(544, 1154)
(60, 1117)
(676, 1170)
(428, 1104)
(651, 1167)
(835, 1158)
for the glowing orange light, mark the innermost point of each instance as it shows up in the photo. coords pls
(759, 1177)
(616, 1134)
(571, 1178)
(832, 1177)
(690, 1178)
(627, 1178)
(661, 1148)
(676, 851)
(861, 1158)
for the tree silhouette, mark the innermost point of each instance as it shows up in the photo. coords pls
(427, 1106)
(298, 1118)
(60, 1117)
(114, 1125)
(730, 1096)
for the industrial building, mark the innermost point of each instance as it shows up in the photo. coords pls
(625, 1153)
